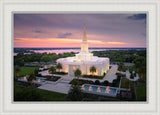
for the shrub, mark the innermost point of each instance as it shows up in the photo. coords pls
(94, 77)
(105, 83)
(132, 76)
(75, 94)
(104, 74)
(114, 83)
(39, 75)
(97, 82)
(118, 78)
(81, 82)
(74, 81)
(61, 73)
(130, 70)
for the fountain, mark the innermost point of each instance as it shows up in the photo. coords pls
(39, 80)
(90, 88)
(82, 88)
(107, 90)
(98, 90)
(25, 78)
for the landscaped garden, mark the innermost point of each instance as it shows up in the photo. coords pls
(93, 77)
(27, 91)
(49, 78)
(97, 82)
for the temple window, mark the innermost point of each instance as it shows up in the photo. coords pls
(74, 67)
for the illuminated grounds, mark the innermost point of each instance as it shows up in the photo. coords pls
(111, 42)
(106, 81)
(99, 90)
(63, 85)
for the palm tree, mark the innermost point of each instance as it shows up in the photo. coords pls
(92, 70)
(77, 73)
(31, 78)
(52, 70)
(17, 71)
(59, 66)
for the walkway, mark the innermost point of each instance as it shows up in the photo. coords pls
(111, 75)
(61, 86)
(128, 76)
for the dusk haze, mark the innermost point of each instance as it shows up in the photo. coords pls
(66, 30)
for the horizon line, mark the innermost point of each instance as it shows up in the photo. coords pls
(80, 47)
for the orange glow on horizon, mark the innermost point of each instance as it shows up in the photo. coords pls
(49, 42)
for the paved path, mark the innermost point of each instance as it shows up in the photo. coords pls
(61, 86)
(111, 75)
(128, 76)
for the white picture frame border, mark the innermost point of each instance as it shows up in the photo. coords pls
(7, 7)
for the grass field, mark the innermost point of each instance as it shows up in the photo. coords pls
(34, 94)
(124, 83)
(25, 71)
(141, 91)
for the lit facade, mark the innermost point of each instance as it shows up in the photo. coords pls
(84, 60)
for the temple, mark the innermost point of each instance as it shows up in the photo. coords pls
(84, 60)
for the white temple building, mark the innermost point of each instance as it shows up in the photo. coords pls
(84, 60)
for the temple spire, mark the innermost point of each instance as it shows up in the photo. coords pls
(84, 44)
(84, 34)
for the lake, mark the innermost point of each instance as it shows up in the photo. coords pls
(64, 50)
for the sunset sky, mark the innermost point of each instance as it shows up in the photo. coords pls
(66, 30)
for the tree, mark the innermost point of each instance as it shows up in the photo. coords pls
(137, 65)
(36, 72)
(77, 73)
(120, 67)
(97, 82)
(142, 71)
(105, 83)
(132, 76)
(17, 71)
(52, 70)
(75, 94)
(46, 58)
(20, 55)
(59, 66)
(31, 78)
(19, 59)
(92, 70)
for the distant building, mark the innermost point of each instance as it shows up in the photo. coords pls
(84, 60)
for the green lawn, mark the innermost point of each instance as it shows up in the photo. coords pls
(25, 70)
(141, 91)
(33, 94)
(124, 83)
